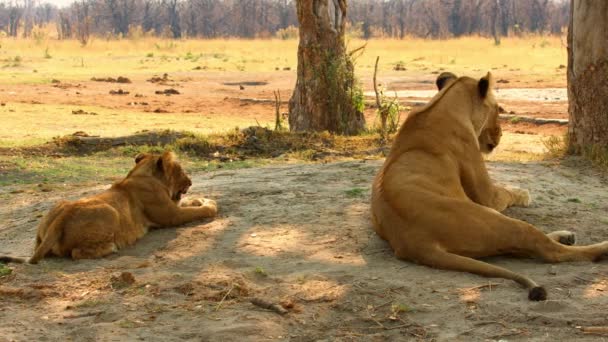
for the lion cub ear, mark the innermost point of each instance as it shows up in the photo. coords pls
(139, 157)
(444, 79)
(484, 85)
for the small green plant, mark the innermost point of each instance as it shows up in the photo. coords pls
(198, 145)
(278, 120)
(150, 54)
(388, 111)
(397, 309)
(597, 154)
(260, 271)
(355, 192)
(556, 147)
(515, 119)
(14, 62)
(573, 200)
(4, 270)
(90, 303)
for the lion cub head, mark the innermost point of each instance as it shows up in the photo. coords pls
(491, 133)
(166, 169)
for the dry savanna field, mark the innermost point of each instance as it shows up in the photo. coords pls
(293, 227)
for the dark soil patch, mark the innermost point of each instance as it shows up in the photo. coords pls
(246, 83)
(120, 79)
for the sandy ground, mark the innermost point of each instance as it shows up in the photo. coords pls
(219, 95)
(300, 235)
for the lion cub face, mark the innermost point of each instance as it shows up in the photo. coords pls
(165, 168)
(491, 133)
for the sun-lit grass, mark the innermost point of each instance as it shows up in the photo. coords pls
(42, 60)
(33, 124)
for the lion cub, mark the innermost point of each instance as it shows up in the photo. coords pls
(102, 224)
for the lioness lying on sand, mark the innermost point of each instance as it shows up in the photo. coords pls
(435, 204)
(102, 224)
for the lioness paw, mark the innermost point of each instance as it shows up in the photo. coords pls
(522, 197)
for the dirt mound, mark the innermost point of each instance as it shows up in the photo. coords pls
(119, 92)
(167, 92)
(82, 112)
(120, 79)
(160, 80)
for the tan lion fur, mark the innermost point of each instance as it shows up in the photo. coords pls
(102, 224)
(435, 204)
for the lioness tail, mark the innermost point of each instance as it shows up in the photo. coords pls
(50, 239)
(6, 259)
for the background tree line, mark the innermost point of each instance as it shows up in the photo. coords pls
(268, 18)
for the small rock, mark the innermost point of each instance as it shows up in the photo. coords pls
(552, 270)
(125, 279)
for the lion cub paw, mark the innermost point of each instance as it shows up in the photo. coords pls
(208, 204)
(522, 197)
(191, 202)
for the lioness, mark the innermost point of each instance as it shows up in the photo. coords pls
(99, 225)
(435, 204)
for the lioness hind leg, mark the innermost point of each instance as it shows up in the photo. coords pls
(564, 237)
(94, 252)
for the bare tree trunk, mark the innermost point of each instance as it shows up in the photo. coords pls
(496, 18)
(587, 75)
(326, 96)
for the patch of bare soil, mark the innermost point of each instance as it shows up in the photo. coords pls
(299, 236)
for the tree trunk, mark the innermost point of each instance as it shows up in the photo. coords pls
(587, 75)
(326, 96)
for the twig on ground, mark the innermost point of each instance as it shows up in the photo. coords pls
(490, 322)
(219, 305)
(488, 285)
(86, 314)
(269, 306)
(595, 330)
(508, 334)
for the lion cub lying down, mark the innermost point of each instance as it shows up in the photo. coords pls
(102, 224)
(435, 204)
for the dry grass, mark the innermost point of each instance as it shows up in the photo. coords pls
(34, 124)
(70, 60)
(39, 61)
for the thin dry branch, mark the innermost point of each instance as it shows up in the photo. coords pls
(264, 304)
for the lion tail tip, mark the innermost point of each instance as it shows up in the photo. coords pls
(537, 293)
(7, 259)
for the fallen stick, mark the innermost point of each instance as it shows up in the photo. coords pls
(595, 330)
(269, 306)
(480, 287)
(86, 314)
(219, 305)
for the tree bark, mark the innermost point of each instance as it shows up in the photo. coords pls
(587, 75)
(326, 96)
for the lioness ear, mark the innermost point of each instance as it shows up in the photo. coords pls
(443, 79)
(159, 165)
(165, 161)
(484, 85)
(168, 157)
(139, 157)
